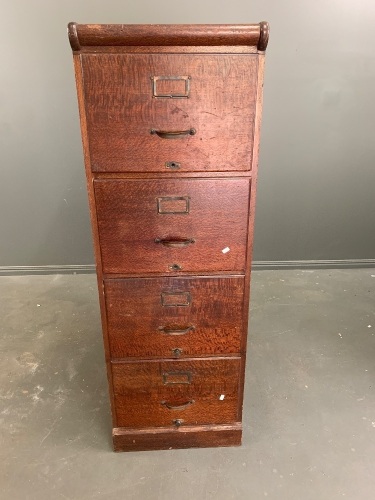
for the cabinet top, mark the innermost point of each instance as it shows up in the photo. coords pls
(117, 35)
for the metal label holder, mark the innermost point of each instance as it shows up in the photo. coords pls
(171, 95)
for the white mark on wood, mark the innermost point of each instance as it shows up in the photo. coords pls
(226, 250)
(222, 396)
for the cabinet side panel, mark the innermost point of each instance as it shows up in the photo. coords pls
(94, 224)
(258, 118)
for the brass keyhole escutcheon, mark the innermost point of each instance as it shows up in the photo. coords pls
(173, 165)
(175, 267)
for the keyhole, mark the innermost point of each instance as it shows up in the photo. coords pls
(175, 267)
(172, 164)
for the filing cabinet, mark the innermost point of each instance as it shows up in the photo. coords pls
(170, 120)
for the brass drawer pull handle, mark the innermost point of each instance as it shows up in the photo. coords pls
(178, 407)
(175, 242)
(170, 134)
(174, 331)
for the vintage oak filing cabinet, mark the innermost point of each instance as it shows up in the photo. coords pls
(170, 119)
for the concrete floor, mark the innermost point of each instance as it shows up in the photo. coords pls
(309, 419)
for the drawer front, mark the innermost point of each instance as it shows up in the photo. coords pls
(173, 317)
(157, 393)
(196, 225)
(128, 95)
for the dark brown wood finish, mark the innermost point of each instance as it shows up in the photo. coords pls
(264, 36)
(258, 121)
(161, 438)
(174, 317)
(129, 222)
(113, 35)
(159, 393)
(168, 175)
(169, 49)
(172, 220)
(122, 111)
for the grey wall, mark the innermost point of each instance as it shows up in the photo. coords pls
(317, 174)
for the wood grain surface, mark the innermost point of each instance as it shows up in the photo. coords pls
(250, 243)
(140, 392)
(129, 223)
(172, 214)
(165, 438)
(121, 111)
(169, 49)
(114, 35)
(136, 313)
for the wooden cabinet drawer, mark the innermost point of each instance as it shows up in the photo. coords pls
(172, 317)
(157, 393)
(128, 95)
(152, 226)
